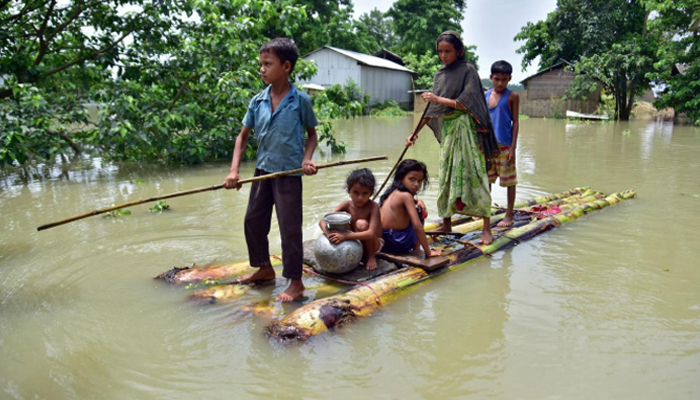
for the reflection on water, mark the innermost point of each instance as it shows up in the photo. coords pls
(606, 307)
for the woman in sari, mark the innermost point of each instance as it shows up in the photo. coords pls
(458, 116)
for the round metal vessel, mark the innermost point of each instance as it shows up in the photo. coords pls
(337, 258)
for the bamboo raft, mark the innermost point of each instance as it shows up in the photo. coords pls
(363, 293)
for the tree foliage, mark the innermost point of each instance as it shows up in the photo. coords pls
(378, 26)
(678, 67)
(51, 53)
(328, 23)
(607, 39)
(418, 23)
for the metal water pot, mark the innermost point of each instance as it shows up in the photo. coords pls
(337, 258)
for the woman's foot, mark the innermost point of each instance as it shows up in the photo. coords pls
(506, 221)
(486, 237)
(446, 225)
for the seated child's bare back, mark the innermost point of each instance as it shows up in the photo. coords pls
(402, 227)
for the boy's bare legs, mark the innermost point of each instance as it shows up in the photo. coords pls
(508, 220)
(486, 236)
(264, 273)
(293, 291)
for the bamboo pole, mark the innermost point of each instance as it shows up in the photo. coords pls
(334, 311)
(403, 153)
(203, 189)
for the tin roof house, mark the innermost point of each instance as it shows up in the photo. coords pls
(544, 91)
(381, 78)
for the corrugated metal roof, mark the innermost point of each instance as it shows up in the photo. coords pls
(560, 65)
(366, 59)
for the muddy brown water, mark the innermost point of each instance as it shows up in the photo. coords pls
(605, 307)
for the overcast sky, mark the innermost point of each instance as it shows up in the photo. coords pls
(491, 26)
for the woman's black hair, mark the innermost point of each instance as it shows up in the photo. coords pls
(456, 42)
(402, 170)
(363, 176)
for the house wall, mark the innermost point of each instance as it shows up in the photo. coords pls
(543, 94)
(333, 68)
(380, 83)
(384, 84)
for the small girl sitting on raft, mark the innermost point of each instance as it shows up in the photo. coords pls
(402, 226)
(365, 225)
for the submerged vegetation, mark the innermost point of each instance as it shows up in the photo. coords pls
(159, 207)
(389, 108)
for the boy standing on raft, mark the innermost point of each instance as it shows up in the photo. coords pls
(279, 115)
(459, 117)
(504, 106)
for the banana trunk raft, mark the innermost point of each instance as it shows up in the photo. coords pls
(335, 304)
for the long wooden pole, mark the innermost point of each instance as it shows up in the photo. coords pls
(204, 189)
(405, 149)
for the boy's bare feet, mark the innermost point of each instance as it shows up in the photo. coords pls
(264, 273)
(293, 292)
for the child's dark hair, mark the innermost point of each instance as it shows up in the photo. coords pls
(456, 42)
(363, 177)
(502, 67)
(402, 170)
(284, 49)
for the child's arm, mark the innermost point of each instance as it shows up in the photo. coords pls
(407, 201)
(322, 224)
(514, 104)
(422, 206)
(311, 142)
(375, 227)
(231, 180)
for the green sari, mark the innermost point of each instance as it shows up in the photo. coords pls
(463, 173)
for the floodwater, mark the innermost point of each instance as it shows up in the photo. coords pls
(605, 307)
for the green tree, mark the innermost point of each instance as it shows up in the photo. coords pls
(607, 39)
(417, 23)
(325, 23)
(679, 49)
(378, 25)
(695, 22)
(51, 53)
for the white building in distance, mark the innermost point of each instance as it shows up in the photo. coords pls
(380, 78)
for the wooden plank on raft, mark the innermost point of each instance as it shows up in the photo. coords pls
(416, 260)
